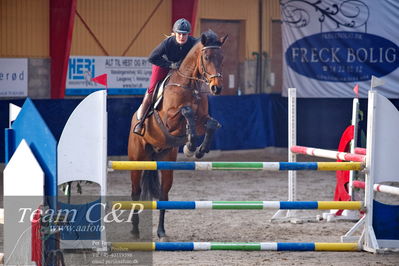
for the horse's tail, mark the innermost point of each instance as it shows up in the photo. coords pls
(150, 186)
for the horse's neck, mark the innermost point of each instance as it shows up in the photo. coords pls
(189, 66)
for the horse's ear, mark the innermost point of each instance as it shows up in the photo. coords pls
(203, 39)
(223, 39)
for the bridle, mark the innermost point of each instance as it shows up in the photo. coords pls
(205, 76)
(217, 75)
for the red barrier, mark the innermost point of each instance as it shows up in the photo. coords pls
(341, 188)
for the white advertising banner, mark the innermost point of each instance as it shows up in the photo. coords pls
(125, 75)
(13, 77)
(332, 45)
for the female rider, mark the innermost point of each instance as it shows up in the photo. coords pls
(166, 56)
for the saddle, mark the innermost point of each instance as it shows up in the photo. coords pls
(157, 96)
(156, 100)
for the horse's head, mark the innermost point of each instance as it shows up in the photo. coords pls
(211, 60)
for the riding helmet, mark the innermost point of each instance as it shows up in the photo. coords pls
(182, 26)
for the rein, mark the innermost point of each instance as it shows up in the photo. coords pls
(204, 72)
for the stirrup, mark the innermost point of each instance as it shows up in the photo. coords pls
(138, 128)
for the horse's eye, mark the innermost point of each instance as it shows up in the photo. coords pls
(206, 57)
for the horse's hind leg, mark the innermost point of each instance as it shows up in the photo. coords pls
(135, 176)
(211, 125)
(190, 146)
(167, 180)
(166, 185)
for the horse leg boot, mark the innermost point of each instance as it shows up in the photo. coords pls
(211, 126)
(190, 146)
(142, 113)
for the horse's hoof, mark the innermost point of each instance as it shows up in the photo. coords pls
(199, 154)
(135, 235)
(162, 235)
(187, 152)
(164, 239)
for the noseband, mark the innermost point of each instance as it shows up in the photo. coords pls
(206, 74)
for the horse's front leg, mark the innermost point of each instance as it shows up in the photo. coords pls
(210, 127)
(190, 146)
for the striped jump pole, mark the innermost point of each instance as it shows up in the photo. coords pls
(255, 246)
(360, 151)
(377, 187)
(344, 156)
(237, 166)
(236, 205)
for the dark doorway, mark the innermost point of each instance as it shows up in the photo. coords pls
(276, 56)
(231, 50)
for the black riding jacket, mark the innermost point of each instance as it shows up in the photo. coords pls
(169, 51)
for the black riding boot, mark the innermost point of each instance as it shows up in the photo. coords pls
(142, 113)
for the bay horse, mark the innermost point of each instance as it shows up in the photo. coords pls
(179, 119)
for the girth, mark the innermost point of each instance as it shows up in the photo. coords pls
(174, 141)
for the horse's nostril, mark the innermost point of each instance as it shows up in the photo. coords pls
(215, 89)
